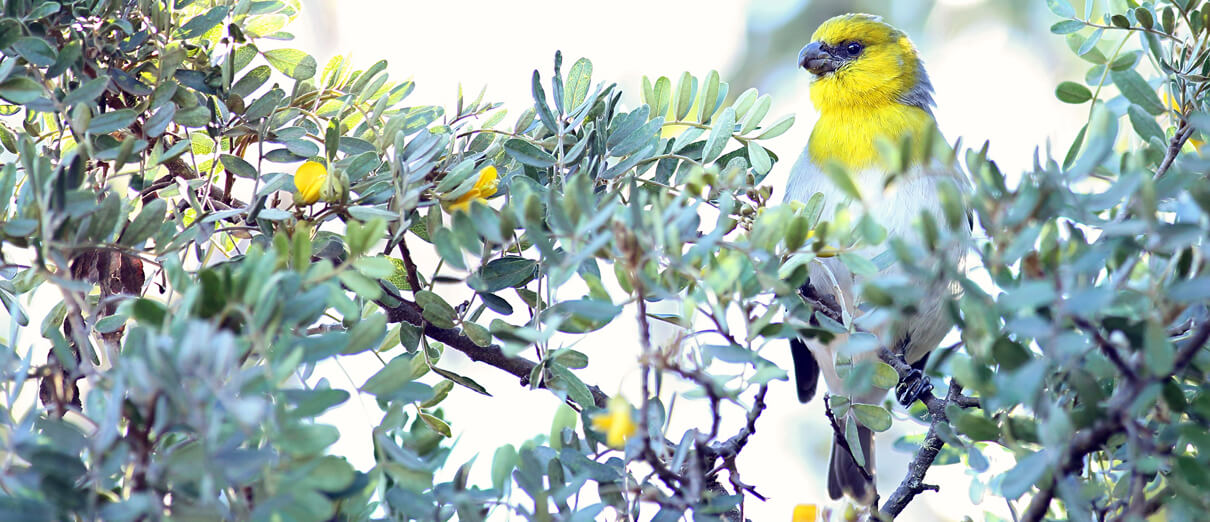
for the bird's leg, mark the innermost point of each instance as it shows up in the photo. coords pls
(915, 384)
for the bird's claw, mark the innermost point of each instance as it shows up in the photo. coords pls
(912, 386)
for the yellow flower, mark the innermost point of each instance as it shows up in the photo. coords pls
(806, 513)
(484, 187)
(616, 422)
(309, 180)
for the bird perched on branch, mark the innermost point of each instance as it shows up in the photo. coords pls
(869, 85)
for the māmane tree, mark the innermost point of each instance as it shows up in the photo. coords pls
(214, 215)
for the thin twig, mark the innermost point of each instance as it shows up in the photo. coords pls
(1110, 351)
(731, 447)
(838, 435)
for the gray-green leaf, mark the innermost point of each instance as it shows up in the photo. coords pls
(292, 62)
(1137, 90)
(872, 416)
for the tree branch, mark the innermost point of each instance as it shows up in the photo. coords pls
(1090, 439)
(178, 168)
(731, 447)
(409, 265)
(1183, 132)
(409, 312)
(1110, 351)
(1084, 442)
(913, 483)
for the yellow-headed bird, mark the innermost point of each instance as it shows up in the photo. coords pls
(869, 84)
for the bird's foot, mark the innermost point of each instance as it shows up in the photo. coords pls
(912, 386)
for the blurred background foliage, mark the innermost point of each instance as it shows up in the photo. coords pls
(245, 282)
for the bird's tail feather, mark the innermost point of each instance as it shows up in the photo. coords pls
(845, 477)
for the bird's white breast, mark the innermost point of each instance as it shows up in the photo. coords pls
(897, 208)
(894, 207)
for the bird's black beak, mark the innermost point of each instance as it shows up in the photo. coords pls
(814, 58)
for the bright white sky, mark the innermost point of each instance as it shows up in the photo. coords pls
(992, 83)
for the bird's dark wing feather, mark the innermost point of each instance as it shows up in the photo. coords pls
(806, 370)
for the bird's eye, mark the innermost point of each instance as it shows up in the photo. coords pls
(853, 48)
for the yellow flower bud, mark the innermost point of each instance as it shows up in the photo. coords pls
(309, 180)
(806, 513)
(617, 422)
(485, 187)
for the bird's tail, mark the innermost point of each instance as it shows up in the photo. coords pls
(845, 477)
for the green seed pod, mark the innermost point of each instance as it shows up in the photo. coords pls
(335, 188)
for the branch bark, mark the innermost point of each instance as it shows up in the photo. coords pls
(731, 447)
(1183, 132)
(913, 483)
(409, 312)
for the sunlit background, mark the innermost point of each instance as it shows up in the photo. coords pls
(994, 67)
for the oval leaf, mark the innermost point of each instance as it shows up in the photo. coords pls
(292, 62)
(1072, 92)
(527, 153)
(872, 416)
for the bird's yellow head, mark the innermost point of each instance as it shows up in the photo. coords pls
(859, 61)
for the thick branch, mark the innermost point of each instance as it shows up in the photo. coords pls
(1084, 442)
(407, 311)
(913, 483)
